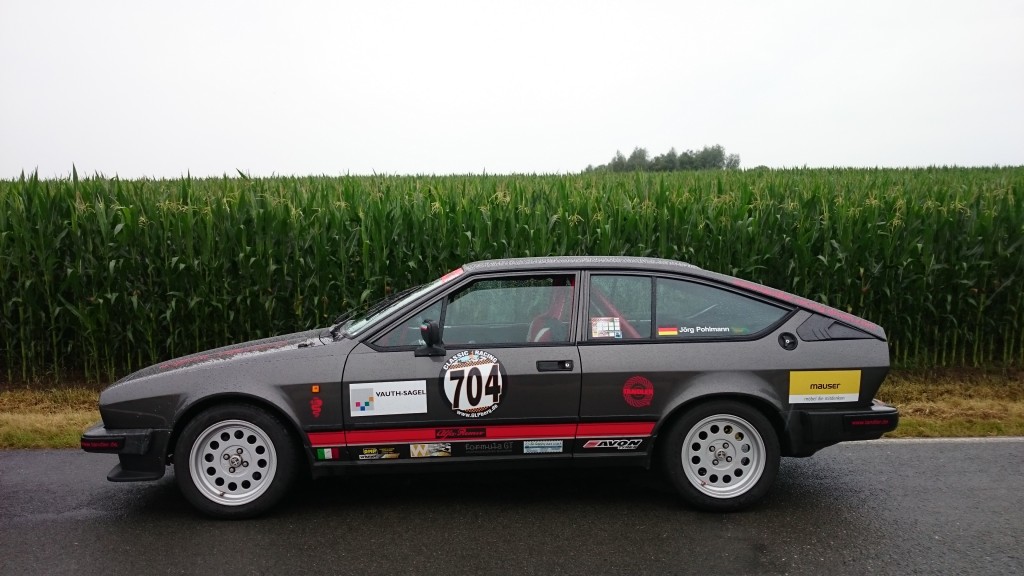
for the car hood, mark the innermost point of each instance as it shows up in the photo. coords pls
(251, 349)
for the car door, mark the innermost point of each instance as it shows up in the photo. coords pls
(507, 385)
(619, 407)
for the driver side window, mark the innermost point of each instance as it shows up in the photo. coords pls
(512, 310)
(519, 309)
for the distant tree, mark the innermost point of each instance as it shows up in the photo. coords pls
(637, 160)
(707, 158)
(618, 163)
(710, 158)
(665, 162)
(686, 161)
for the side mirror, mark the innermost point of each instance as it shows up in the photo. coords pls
(430, 332)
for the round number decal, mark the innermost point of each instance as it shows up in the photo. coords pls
(473, 382)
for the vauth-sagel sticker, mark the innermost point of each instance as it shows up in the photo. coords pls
(388, 398)
(811, 386)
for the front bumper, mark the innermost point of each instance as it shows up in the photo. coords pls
(825, 427)
(141, 452)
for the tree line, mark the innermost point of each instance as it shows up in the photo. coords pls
(707, 158)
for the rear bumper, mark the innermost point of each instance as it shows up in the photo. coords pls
(141, 451)
(821, 428)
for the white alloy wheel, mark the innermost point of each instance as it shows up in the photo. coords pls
(723, 456)
(233, 462)
(720, 455)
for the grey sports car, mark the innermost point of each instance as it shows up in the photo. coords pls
(583, 361)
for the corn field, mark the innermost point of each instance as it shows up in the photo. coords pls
(101, 276)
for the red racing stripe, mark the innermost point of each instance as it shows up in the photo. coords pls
(590, 430)
(506, 432)
(326, 439)
(500, 432)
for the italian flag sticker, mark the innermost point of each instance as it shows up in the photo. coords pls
(326, 453)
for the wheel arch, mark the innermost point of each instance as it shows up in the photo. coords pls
(762, 405)
(190, 412)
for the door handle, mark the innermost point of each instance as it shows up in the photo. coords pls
(554, 365)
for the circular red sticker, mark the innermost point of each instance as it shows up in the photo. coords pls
(638, 391)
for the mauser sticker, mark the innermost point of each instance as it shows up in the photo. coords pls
(473, 382)
(820, 386)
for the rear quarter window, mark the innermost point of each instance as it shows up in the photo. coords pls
(690, 310)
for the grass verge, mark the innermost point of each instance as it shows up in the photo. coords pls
(946, 403)
(46, 418)
(956, 403)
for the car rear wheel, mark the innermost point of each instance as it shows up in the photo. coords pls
(234, 461)
(721, 456)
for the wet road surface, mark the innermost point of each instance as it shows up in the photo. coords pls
(888, 507)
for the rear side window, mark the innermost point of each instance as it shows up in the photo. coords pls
(620, 308)
(698, 311)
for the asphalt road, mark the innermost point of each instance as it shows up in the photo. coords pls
(889, 507)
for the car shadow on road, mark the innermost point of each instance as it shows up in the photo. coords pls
(801, 485)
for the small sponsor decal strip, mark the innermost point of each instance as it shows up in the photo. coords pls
(820, 386)
(431, 450)
(542, 446)
(616, 443)
(499, 448)
(379, 453)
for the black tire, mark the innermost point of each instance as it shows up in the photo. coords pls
(721, 456)
(234, 461)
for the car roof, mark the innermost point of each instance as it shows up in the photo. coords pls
(622, 262)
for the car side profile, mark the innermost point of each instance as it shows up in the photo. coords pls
(583, 361)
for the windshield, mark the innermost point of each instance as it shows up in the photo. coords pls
(386, 306)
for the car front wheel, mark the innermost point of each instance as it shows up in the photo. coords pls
(234, 461)
(721, 456)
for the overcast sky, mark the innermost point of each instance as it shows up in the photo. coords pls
(164, 88)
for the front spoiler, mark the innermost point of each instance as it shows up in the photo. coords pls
(141, 451)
